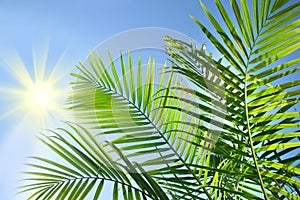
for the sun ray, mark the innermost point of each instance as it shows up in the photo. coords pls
(24, 121)
(17, 68)
(57, 74)
(11, 112)
(40, 56)
(36, 97)
(10, 91)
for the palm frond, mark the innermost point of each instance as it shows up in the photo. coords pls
(260, 127)
(135, 120)
(84, 169)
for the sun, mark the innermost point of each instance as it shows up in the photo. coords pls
(41, 99)
(37, 95)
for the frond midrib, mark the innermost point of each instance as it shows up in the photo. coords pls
(249, 128)
(160, 133)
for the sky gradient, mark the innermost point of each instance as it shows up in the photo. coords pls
(59, 34)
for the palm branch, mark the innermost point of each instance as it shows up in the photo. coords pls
(251, 84)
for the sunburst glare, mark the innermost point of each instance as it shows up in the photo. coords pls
(37, 96)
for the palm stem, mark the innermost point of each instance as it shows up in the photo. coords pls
(251, 142)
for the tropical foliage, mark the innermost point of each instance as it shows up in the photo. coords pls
(231, 133)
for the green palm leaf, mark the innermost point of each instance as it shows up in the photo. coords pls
(134, 121)
(261, 125)
(87, 166)
(130, 125)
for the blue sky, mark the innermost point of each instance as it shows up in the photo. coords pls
(70, 27)
(74, 28)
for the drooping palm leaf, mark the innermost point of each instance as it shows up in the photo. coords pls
(86, 167)
(259, 134)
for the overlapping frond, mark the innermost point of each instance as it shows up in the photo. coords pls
(134, 120)
(124, 113)
(256, 86)
(230, 132)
